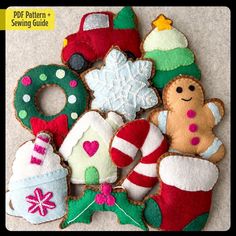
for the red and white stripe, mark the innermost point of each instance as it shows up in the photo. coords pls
(146, 137)
(41, 144)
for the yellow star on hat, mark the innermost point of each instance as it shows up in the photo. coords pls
(162, 23)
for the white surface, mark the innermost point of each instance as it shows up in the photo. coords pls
(208, 32)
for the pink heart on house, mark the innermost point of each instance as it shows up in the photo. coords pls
(91, 147)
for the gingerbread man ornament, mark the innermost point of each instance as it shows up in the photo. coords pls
(188, 119)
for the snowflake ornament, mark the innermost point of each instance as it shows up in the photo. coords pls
(122, 85)
(40, 202)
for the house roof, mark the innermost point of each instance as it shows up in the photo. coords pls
(94, 120)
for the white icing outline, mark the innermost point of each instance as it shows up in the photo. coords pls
(122, 85)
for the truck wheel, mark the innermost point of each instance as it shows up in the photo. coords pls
(78, 63)
(130, 55)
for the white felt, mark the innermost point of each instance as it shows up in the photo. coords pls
(215, 112)
(122, 86)
(96, 21)
(152, 141)
(22, 168)
(135, 192)
(37, 155)
(162, 120)
(90, 119)
(150, 170)
(114, 118)
(124, 146)
(164, 40)
(188, 173)
(190, 20)
(41, 143)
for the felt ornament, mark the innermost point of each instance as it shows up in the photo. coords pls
(133, 136)
(184, 198)
(86, 148)
(80, 210)
(38, 186)
(122, 85)
(26, 98)
(188, 119)
(98, 32)
(167, 47)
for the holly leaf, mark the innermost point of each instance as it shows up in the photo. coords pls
(82, 209)
(127, 212)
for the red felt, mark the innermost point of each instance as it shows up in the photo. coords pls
(119, 158)
(154, 156)
(58, 127)
(135, 132)
(142, 180)
(94, 44)
(180, 207)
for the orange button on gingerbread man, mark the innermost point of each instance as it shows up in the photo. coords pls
(188, 119)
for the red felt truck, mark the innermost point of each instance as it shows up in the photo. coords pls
(98, 32)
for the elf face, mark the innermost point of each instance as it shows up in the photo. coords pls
(184, 92)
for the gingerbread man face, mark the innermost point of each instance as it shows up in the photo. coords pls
(185, 91)
(188, 119)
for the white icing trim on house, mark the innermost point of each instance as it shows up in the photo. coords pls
(188, 173)
(90, 119)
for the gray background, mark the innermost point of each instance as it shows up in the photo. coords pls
(208, 33)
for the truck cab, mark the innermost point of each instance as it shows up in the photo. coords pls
(98, 32)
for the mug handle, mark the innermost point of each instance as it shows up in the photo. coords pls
(9, 210)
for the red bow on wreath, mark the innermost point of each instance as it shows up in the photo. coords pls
(58, 127)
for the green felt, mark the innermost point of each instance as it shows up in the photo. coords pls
(79, 160)
(91, 175)
(197, 224)
(38, 76)
(125, 19)
(152, 213)
(161, 78)
(81, 210)
(171, 59)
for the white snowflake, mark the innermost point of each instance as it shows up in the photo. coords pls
(122, 85)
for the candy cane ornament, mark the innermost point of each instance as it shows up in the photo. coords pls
(146, 137)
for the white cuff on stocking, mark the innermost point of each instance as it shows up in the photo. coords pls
(188, 173)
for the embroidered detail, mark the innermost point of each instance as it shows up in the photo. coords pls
(91, 147)
(104, 199)
(122, 85)
(40, 202)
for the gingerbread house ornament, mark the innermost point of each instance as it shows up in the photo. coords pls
(86, 146)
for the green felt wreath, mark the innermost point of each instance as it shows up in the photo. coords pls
(81, 210)
(48, 75)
